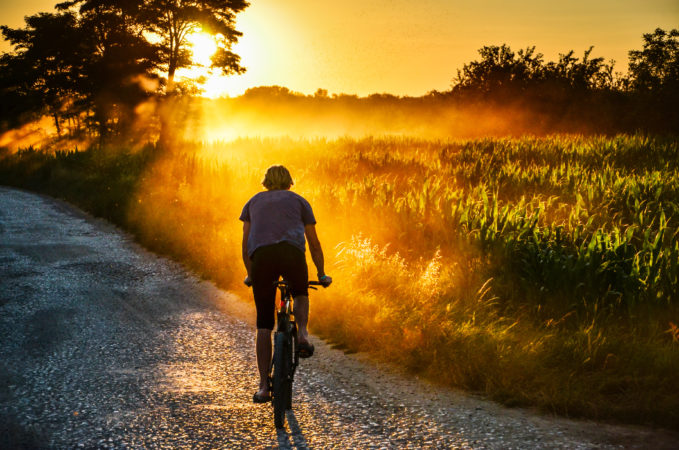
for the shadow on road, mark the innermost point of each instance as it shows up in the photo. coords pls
(294, 438)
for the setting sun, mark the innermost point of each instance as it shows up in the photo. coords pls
(203, 47)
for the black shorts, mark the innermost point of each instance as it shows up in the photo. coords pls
(268, 264)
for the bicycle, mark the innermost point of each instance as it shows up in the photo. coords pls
(285, 354)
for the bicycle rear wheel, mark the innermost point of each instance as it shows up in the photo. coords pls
(291, 356)
(282, 384)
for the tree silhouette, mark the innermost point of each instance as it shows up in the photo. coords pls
(654, 80)
(174, 20)
(92, 65)
(119, 71)
(94, 60)
(656, 67)
(580, 75)
(500, 71)
(44, 73)
(569, 94)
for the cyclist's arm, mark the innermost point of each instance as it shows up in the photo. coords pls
(315, 248)
(246, 258)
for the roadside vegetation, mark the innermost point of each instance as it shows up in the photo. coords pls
(537, 271)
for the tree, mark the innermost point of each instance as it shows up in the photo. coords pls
(120, 71)
(580, 76)
(500, 70)
(656, 67)
(174, 20)
(92, 65)
(269, 93)
(569, 94)
(44, 72)
(654, 81)
(123, 30)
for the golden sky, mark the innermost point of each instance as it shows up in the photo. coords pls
(410, 47)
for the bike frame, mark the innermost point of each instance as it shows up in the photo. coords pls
(286, 321)
(285, 352)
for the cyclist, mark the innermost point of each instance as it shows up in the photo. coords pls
(275, 223)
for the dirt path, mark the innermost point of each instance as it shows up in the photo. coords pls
(105, 345)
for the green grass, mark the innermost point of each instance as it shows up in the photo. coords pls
(538, 271)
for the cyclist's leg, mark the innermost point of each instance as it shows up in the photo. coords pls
(302, 316)
(263, 345)
(264, 274)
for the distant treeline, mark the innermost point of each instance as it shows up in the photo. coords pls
(92, 69)
(581, 93)
(503, 92)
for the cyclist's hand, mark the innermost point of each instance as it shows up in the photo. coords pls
(248, 281)
(325, 281)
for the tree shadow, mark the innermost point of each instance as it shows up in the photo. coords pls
(293, 438)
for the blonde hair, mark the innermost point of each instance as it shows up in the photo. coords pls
(277, 177)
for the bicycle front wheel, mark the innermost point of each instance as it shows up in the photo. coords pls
(281, 379)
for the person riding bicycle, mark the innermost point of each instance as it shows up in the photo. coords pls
(275, 223)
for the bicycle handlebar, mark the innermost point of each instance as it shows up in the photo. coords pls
(311, 283)
(248, 283)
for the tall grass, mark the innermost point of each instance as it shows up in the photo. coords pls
(539, 271)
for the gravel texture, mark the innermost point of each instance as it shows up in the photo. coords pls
(105, 345)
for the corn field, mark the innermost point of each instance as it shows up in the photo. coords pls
(594, 220)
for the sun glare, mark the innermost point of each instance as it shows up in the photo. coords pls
(203, 47)
(215, 84)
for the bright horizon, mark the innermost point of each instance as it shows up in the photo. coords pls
(356, 47)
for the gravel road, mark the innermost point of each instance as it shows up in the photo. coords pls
(105, 345)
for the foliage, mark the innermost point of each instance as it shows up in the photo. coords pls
(173, 20)
(94, 66)
(45, 70)
(117, 73)
(656, 67)
(583, 89)
(503, 73)
(84, 68)
(500, 69)
(654, 78)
